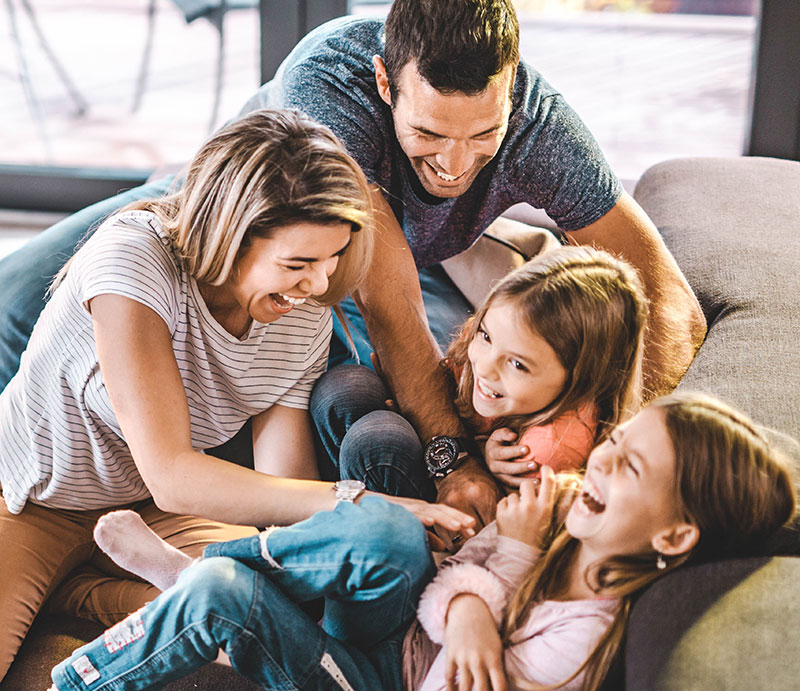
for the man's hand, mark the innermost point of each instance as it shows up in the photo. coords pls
(500, 452)
(472, 490)
(445, 518)
(472, 646)
(527, 516)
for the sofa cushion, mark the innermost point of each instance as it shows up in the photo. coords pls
(732, 225)
(727, 625)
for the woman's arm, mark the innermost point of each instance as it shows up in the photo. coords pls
(141, 374)
(146, 390)
(283, 444)
(144, 384)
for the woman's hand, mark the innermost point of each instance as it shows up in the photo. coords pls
(437, 515)
(472, 646)
(500, 452)
(527, 516)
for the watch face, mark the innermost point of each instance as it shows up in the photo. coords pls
(349, 485)
(348, 490)
(441, 453)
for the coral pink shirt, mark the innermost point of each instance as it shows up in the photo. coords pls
(563, 444)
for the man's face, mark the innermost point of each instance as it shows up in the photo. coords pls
(450, 137)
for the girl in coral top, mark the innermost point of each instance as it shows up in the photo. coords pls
(551, 361)
(547, 366)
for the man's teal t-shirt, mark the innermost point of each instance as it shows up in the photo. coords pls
(548, 157)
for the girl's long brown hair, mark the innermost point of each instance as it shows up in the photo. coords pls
(729, 482)
(590, 308)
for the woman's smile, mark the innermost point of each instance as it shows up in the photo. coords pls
(275, 274)
(285, 303)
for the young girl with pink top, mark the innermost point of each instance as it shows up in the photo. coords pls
(547, 366)
(512, 612)
(508, 612)
(551, 361)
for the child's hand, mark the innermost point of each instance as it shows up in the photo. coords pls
(527, 516)
(472, 646)
(500, 453)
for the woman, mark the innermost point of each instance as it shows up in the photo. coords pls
(177, 321)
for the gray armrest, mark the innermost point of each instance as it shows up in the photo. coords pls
(728, 625)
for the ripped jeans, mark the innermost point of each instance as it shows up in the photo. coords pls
(370, 562)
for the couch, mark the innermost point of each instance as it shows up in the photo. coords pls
(732, 224)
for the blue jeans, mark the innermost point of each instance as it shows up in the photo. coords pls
(369, 561)
(358, 438)
(445, 307)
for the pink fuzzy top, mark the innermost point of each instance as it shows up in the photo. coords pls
(553, 642)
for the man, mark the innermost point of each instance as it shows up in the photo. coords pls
(454, 129)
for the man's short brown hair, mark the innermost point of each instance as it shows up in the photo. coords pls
(457, 45)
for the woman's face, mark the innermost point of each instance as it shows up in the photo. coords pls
(629, 491)
(516, 372)
(273, 275)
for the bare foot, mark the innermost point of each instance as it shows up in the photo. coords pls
(127, 539)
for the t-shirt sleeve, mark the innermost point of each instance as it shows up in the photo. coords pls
(339, 101)
(299, 394)
(132, 261)
(560, 167)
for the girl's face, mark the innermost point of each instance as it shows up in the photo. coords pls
(275, 274)
(629, 494)
(516, 371)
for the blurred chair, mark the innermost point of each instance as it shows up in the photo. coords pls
(212, 10)
(81, 106)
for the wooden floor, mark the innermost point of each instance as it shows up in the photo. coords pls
(650, 87)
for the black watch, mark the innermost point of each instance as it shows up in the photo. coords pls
(444, 454)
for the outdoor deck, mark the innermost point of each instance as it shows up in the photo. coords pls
(650, 87)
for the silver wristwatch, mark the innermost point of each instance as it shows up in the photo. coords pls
(348, 490)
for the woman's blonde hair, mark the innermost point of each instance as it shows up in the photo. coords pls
(590, 308)
(269, 169)
(730, 483)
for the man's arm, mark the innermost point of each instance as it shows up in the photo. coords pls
(677, 325)
(391, 301)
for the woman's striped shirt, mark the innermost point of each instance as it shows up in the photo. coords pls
(60, 442)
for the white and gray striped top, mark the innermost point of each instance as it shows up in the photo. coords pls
(60, 442)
